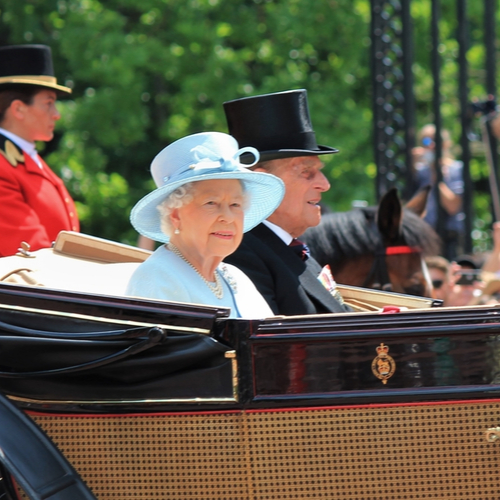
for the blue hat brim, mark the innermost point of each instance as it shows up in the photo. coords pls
(265, 194)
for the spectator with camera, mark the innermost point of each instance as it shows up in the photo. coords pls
(439, 270)
(449, 189)
(467, 283)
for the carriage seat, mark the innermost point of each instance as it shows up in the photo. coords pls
(81, 263)
(77, 262)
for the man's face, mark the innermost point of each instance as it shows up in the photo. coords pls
(39, 118)
(304, 183)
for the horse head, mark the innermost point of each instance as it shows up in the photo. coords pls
(378, 247)
(398, 253)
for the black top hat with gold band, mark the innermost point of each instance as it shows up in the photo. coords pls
(277, 125)
(28, 65)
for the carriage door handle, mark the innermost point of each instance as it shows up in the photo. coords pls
(493, 434)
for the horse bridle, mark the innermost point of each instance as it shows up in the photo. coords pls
(378, 274)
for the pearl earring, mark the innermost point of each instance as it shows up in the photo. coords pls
(176, 231)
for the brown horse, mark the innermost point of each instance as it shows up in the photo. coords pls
(378, 247)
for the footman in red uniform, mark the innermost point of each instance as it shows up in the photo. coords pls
(34, 203)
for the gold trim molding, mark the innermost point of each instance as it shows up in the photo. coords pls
(122, 402)
(99, 319)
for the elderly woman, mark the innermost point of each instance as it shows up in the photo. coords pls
(206, 199)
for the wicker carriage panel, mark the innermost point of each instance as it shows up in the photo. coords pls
(425, 451)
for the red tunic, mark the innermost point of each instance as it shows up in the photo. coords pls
(34, 203)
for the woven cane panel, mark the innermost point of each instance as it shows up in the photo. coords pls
(154, 457)
(399, 452)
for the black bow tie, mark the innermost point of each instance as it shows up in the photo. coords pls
(300, 248)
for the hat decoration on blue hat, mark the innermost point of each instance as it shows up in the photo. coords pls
(201, 157)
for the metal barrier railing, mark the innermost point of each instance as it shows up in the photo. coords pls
(394, 117)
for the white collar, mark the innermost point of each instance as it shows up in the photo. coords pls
(278, 231)
(28, 147)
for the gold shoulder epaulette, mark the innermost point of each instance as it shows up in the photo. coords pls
(12, 153)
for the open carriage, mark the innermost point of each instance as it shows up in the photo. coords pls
(151, 399)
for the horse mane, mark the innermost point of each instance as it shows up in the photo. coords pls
(349, 234)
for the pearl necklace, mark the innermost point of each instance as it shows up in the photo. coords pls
(217, 288)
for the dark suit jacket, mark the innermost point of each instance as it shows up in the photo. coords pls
(289, 285)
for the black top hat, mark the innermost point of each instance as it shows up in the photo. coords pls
(277, 125)
(28, 65)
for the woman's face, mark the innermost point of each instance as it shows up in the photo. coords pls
(212, 224)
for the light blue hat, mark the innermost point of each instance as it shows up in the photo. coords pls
(202, 157)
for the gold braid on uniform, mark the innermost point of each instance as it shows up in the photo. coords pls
(12, 153)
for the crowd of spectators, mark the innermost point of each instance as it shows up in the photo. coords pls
(468, 279)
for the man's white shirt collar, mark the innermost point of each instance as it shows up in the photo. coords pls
(278, 231)
(28, 147)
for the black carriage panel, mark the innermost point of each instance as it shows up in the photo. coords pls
(365, 358)
(72, 351)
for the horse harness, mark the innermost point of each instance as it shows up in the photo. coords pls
(378, 274)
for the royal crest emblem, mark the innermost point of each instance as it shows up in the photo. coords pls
(383, 366)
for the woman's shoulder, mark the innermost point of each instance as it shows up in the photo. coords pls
(161, 261)
(160, 254)
(160, 276)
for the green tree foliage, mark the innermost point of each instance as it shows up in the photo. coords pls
(145, 73)
(450, 105)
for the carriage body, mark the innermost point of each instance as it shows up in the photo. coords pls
(370, 405)
(291, 407)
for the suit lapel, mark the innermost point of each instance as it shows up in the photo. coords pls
(45, 170)
(307, 271)
(33, 168)
(314, 288)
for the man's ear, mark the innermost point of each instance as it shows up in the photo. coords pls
(259, 169)
(16, 109)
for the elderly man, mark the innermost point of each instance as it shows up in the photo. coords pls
(35, 204)
(279, 127)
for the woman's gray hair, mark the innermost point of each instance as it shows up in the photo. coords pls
(176, 199)
(182, 196)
